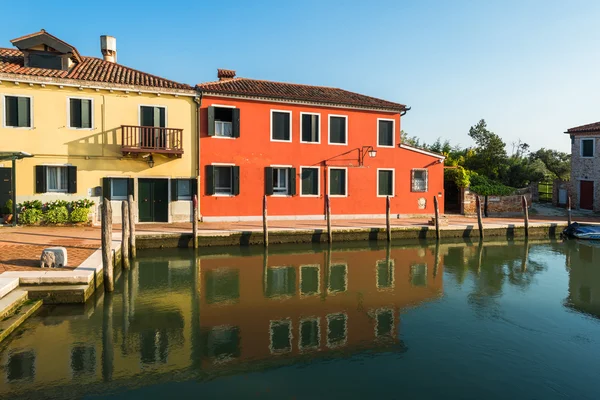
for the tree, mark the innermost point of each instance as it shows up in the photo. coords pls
(411, 140)
(556, 162)
(490, 158)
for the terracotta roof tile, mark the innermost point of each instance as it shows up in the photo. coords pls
(594, 127)
(291, 91)
(91, 69)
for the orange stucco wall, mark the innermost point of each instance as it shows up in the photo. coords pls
(253, 151)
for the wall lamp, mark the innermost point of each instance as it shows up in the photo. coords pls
(151, 161)
(362, 152)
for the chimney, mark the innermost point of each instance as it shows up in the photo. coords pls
(225, 74)
(108, 46)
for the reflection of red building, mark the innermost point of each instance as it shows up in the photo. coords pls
(257, 310)
(297, 143)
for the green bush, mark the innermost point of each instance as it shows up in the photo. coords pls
(56, 204)
(8, 207)
(83, 203)
(487, 187)
(30, 216)
(56, 215)
(79, 215)
(36, 204)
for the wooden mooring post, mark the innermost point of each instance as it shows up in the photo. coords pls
(125, 231)
(132, 211)
(388, 225)
(328, 217)
(569, 214)
(107, 259)
(525, 215)
(195, 221)
(265, 223)
(437, 217)
(479, 222)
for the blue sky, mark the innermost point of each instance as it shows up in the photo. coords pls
(529, 68)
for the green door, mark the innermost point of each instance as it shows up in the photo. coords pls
(153, 200)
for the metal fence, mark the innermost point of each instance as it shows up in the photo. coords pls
(545, 192)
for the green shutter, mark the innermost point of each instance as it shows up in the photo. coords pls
(72, 179)
(174, 196)
(105, 188)
(211, 121)
(40, 179)
(11, 112)
(130, 187)
(75, 113)
(235, 123)
(209, 180)
(236, 180)
(268, 181)
(24, 111)
(292, 172)
(86, 113)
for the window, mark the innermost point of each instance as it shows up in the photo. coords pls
(223, 122)
(222, 285)
(152, 118)
(338, 129)
(281, 336)
(281, 281)
(385, 132)
(309, 280)
(221, 342)
(20, 366)
(117, 188)
(385, 182)
(338, 182)
(281, 126)
(418, 275)
(587, 147)
(50, 178)
(222, 180)
(310, 128)
(338, 278)
(310, 181)
(17, 111)
(385, 274)
(45, 60)
(385, 323)
(80, 113)
(337, 329)
(57, 179)
(419, 180)
(183, 189)
(280, 181)
(83, 360)
(310, 334)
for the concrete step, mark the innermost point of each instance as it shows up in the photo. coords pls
(10, 302)
(60, 294)
(11, 322)
(7, 285)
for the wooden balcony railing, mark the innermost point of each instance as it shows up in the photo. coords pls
(150, 139)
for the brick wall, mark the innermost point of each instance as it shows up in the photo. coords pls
(557, 186)
(497, 205)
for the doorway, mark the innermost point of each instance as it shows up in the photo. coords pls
(153, 117)
(452, 197)
(153, 200)
(586, 195)
(5, 185)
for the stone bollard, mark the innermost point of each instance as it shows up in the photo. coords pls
(47, 260)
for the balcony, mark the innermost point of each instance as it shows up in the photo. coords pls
(150, 139)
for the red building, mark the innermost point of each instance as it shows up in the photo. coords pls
(299, 143)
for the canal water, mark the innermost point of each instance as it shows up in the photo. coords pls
(420, 321)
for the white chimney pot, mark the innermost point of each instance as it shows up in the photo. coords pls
(108, 46)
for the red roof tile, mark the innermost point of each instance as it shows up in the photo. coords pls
(291, 91)
(90, 69)
(595, 127)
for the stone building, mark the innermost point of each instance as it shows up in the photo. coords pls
(585, 166)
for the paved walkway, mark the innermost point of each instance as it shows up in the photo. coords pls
(20, 247)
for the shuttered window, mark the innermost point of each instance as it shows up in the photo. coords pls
(17, 111)
(281, 126)
(385, 133)
(385, 182)
(80, 113)
(223, 122)
(338, 129)
(280, 181)
(50, 178)
(222, 180)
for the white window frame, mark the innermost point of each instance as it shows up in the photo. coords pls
(185, 198)
(318, 181)
(336, 264)
(117, 198)
(593, 147)
(271, 135)
(393, 133)
(318, 130)
(329, 318)
(223, 137)
(286, 172)
(58, 179)
(318, 267)
(291, 335)
(156, 106)
(393, 181)
(309, 319)
(412, 188)
(4, 125)
(92, 122)
(329, 182)
(329, 129)
(391, 264)
(231, 183)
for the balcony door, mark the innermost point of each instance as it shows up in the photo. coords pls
(153, 121)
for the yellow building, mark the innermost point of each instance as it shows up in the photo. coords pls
(96, 128)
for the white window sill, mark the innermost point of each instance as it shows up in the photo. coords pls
(19, 127)
(338, 195)
(310, 195)
(281, 195)
(319, 142)
(281, 141)
(385, 195)
(80, 129)
(386, 146)
(222, 137)
(223, 195)
(338, 144)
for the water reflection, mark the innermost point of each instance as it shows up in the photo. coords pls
(210, 315)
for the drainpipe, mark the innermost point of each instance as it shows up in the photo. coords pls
(198, 100)
(406, 109)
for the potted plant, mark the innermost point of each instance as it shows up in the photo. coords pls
(7, 212)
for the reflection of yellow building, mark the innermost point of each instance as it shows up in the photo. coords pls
(221, 315)
(96, 127)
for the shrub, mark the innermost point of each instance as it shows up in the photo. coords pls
(83, 203)
(487, 187)
(79, 214)
(35, 204)
(8, 207)
(30, 216)
(56, 204)
(56, 215)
